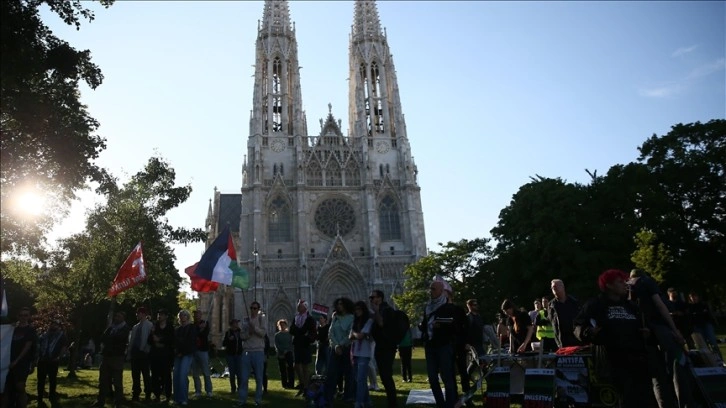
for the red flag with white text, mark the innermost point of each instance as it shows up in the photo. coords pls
(200, 284)
(131, 273)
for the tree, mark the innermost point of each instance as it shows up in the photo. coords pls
(460, 263)
(650, 255)
(81, 270)
(48, 141)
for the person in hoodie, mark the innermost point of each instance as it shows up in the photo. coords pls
(51, 346)
(253, 356)
(612, 323)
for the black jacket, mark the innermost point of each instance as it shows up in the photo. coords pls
(443, 333)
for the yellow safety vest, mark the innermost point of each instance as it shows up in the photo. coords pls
(545, 332)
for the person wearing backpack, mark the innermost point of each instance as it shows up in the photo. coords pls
(383, 333)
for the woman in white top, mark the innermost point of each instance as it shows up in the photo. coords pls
(361, 351)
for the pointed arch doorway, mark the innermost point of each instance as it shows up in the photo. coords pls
(340, 280)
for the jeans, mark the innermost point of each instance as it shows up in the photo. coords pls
(139, 370)
(182, 364)
(201, 366)
(234, 364)
(252, 361)
(111, 372)
(321, 360)
(287, 372)
(709, 336)
(161, 364)
(440, 360)
(671, 385)
(384, 361)
(362, 397)
(405, 354)
(339, 367)
(47, 369)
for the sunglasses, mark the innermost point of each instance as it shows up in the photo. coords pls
(254, 307)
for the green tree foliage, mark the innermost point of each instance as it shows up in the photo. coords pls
(650, 255)
(81, 270)
(48, 139)
(461, 263)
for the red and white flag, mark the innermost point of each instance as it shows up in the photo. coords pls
(131, 273)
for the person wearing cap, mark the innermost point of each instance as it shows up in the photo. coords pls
(138, 354)
(232, 344)
(253, 356)
(303, 332)
(51, 346)
(161, 356)
(114, 341)
(612, 323)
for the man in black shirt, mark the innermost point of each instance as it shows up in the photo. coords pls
(114, 341)
(562, 311)
(475, 335)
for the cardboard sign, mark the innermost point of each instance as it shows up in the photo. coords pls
(712, 383)
(497, 395)
(539, 388)
(319, 310)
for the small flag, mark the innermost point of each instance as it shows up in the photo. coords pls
(199, 284)
(219, 263)
(131, 273)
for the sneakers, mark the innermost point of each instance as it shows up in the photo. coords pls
(209, 394)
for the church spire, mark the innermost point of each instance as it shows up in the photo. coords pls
(366, 24)
(277, 98)
(374, 105)
(276, 16)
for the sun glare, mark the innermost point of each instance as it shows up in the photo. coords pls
(30, 203)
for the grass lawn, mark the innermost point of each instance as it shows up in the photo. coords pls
(82, 391)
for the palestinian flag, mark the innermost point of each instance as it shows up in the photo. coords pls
(219, 263)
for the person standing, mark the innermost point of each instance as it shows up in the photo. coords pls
(233, 349)
(545, 333)
(21, 360)
(405, 353)
(439, 337)
(703, 321)
(201, 357)
(321, 357)
(563, 309)
(283, 346)
(679, 313)
(360, 336)
(253, 332)
(185, 344)
(114, 341)
(51, 346)
(138, 354)
(385, 352)
(537, 307)
(670, 377)
(612, 322)
(161, 356)
(339, 364)
(303, 334)
(475, 333)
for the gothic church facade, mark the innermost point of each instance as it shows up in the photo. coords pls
(326, 214)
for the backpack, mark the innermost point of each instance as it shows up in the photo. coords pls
(400, 326)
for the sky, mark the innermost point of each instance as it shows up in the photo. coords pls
(493, 93)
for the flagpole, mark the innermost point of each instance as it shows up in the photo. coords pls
(255, 254)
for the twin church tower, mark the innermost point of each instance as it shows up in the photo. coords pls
(320, 215)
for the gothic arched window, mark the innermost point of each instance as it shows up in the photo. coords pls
(314, 174)
(352, 174)
(333, 174)
(388, 218)
(279, 222)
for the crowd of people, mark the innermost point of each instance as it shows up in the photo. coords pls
(642, 335)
